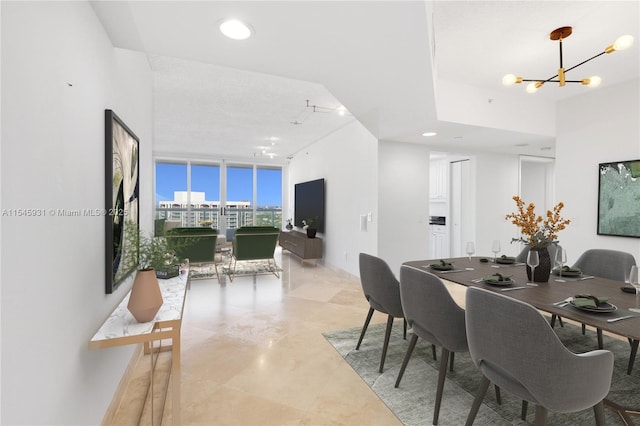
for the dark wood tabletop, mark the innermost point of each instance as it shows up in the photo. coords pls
(546, 294)
(543, 297)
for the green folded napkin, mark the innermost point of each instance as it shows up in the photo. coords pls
(497, 277)
(584, 301)
(505, 257)
(442, 265)
(570, 269)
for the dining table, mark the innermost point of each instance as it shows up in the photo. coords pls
(553, 297)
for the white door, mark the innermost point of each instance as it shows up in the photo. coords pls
(461, 219)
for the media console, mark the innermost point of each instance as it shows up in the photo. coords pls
(301, 245)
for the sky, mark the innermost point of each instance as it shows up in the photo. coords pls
(172, 177)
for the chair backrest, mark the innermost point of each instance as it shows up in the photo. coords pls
(380, 286)
(431, 311)
(517, 350)
(197, 244)
(255, 243)
(610, 264)
(522, 256)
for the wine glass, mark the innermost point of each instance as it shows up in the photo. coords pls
(471, 248)
(495, 248)
(533, 260)
(561, 259)
(633, 280)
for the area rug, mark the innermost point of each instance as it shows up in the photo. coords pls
(413, 401)
(244, 268)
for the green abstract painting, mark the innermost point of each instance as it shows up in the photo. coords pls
(619, 199)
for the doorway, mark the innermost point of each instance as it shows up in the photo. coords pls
(462, 221)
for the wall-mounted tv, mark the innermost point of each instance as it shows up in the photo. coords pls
(309, 203)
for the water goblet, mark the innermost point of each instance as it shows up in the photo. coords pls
(495, 248)
(533, 260)
(560, 259)
(471, 248)
(633, 280)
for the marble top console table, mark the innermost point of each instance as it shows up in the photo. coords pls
(121, 328)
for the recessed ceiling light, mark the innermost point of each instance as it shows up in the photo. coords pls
(429, 134)
(235, 29)
(521, 144)
(273, 138)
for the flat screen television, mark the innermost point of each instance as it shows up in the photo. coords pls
(309, 203)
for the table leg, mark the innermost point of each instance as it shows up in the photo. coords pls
(175, 375)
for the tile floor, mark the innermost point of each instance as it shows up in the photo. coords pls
(253, 353)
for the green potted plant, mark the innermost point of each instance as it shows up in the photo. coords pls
(309, 226)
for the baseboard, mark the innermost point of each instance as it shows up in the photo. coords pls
(112, 410)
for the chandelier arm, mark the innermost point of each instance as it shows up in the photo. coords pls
(584, 62)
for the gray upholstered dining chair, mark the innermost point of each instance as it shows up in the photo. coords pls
(382, 291)
(535, 365)
(434, 316)
(612, 265)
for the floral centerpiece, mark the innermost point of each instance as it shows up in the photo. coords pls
(538, 233)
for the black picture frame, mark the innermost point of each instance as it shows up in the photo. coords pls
(122, 176)
(619, 198)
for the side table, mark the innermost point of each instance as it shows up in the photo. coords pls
(122, 329)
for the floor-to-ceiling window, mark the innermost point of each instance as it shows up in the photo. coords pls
(218, 195)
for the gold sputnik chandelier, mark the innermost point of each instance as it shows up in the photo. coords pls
(558, 35)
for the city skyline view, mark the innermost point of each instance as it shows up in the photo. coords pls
(172, 177)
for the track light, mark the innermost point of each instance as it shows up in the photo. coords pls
(559, 34)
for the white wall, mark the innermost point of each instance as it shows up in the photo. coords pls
(600, 126)
(59, 73)
(347, 159)
(403, 229)
(496, 182)
(462, 103)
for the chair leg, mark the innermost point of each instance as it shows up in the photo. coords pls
(364, 328)
(523, 413)
(387, 335)
(482, 390)
(404, 331)
(407, 356)
(541, 416)
(553, 320)
(442, 374)
(498, 397)
(451, 361)
(598, 410)
(273, 268)
(632, 355)
(584, 329)
(433, 350)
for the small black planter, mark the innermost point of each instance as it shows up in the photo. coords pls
(311, 232)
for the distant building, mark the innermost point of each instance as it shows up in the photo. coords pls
(201, 212)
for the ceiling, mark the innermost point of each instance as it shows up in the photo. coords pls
(381, 60)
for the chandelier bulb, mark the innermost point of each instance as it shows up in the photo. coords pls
(533, 87)
(591, 81)
(621, 43)
(510, 80)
